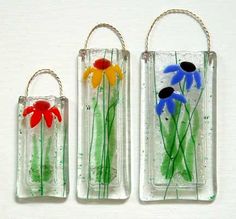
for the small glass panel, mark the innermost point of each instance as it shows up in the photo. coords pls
(103, 124)
(42, 147)
(178, 126)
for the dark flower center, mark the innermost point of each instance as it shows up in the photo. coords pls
(188, 66)
(41, 105)
(166, 92)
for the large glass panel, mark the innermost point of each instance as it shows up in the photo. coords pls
(178, 126)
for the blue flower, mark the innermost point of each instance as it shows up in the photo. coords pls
(187, 70)
(168, 96)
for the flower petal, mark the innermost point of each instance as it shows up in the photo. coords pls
(197, 77)
(189, 80)
(170, 105)
(97, 77)
(35, 118)
(159, 107)
(119, 71)
(111, 75)
(87, 72)
(56, 113)
(28, 110)
(171, 68)
(48, 118)
(179, 97)
(177, 77)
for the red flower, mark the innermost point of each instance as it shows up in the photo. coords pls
(39, 109)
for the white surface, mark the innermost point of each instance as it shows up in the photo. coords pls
(39, 34)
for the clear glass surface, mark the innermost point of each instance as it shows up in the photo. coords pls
(42, 147)
(103, 124)
(178, 126)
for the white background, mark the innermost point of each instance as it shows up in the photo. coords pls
(49, 34)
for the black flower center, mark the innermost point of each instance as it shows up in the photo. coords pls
(166, 92)
(188, 66)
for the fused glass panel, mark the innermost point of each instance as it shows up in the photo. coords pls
(42, 147)
(103, 124)
(178, 126)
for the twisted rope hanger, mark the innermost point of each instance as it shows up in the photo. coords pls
(110, 27)
(41, 72)
(181, 11)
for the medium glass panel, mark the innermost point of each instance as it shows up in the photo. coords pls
(103, 124)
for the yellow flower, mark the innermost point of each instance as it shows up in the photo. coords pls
(100, 67)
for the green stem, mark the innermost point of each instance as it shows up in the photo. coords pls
(107, 158)
(102, 166)
(162, 137)
(192, 137)
(172, 174)
(104, 133)
(182, 149)
(174, 138)
(106, 151)
(173, 141)
(182, 141)
(41, 157)
(47, 169)
(160, 122)
(91, 144)
(106, 175)
(110, 118)
(191, 117)
(194, 143)
(35, 171)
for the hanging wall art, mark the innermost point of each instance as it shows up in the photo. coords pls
(103, 122)
(178, 122)
(43, 144)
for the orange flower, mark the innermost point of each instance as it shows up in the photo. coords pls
(100, 67)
